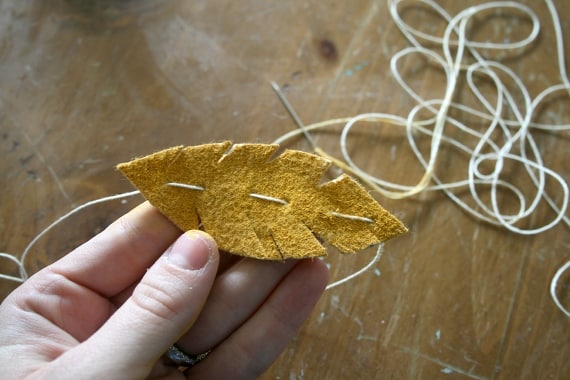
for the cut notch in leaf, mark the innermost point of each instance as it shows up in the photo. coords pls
(260, 207)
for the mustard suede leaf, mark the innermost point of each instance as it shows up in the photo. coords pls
(261, 206)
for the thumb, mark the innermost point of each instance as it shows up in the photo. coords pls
(163, 306)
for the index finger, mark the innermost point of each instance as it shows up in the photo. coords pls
(120, 255)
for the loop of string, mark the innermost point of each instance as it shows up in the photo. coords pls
(20, 262)
(509, 114)
(23, 274)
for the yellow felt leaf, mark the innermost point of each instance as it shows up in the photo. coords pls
(258, 206)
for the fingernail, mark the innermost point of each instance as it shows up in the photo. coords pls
(192, 250)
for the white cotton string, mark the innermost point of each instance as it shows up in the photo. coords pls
(504, 143)
(559, 42)
(371, 263)
(21, 261)
(18, 264)
(554, 285)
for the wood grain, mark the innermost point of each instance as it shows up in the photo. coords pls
(86, 85)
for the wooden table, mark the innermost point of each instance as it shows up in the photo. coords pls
(88, 84)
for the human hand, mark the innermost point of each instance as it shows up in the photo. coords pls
(112, 307)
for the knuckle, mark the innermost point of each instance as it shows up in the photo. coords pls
(156, 301)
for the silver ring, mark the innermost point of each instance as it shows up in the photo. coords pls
(182, 359)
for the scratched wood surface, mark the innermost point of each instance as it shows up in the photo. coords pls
(85, 85)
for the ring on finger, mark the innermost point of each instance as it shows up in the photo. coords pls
(181, 359)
